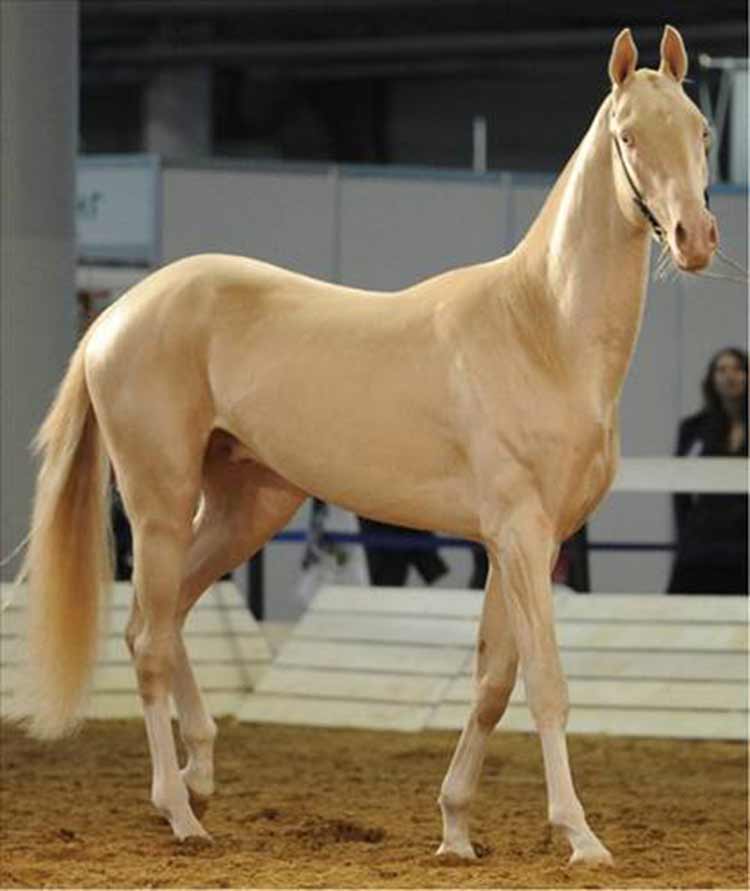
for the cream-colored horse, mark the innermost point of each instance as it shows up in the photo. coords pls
(482, 402)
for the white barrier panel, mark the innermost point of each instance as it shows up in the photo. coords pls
(390, 658)
(226, 647)
(681, 475)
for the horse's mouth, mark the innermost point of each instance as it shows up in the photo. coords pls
(694, 263)
(690, 267)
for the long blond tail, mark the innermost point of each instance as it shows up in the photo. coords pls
(68, 565)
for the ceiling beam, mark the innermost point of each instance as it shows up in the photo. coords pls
(424, 46)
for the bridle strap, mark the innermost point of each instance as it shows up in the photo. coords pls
(640, 201)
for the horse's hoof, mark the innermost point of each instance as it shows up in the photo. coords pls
(187, 828)
(456, 852)
(192, 835)
(594, 855)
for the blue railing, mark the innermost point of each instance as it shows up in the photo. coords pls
(417, 542)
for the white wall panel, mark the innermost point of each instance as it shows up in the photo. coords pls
(526, 200)
(284, 218)
(397, 231)
(715, 311)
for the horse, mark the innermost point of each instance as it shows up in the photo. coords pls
(482, 402)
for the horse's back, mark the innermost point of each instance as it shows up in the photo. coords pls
(196, 323)
(179, 304)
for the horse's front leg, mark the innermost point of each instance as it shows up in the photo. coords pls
(525, 548)
(494, 678)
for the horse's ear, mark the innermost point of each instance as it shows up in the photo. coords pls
(674, 60)
(624, 57)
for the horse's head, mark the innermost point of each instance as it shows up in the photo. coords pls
(660, 143)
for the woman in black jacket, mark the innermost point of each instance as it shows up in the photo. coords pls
(712, 529)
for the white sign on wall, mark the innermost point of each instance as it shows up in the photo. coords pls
(118, 209)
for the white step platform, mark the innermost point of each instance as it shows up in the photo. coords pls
(226, 646)
(645, 665)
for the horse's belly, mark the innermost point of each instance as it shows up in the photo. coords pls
(410, 479)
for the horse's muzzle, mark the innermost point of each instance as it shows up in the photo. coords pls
(694, 240)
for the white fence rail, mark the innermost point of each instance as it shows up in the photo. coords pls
(226, 647)
(402, 659)
(636, 664)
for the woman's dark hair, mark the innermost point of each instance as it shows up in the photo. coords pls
(719, 421)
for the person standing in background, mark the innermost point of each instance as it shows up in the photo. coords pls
(389, 566)
(712, 529)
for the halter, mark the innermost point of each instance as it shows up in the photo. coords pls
(640, 201)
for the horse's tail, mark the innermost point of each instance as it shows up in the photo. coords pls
(68, 564)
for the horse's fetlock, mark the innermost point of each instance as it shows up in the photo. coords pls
(570, 817)
(453, 799)
(165, 800)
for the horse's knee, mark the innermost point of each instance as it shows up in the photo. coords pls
(492, 700)
(549, 703)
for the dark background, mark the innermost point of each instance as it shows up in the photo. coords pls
(379, 81)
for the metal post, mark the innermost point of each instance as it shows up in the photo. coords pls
(255, 587)
(479, 146)
(719, 113)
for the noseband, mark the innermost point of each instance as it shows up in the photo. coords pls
(640, 201)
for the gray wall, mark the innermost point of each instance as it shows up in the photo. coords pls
(287, 217)
(38, 136)
(383, 228)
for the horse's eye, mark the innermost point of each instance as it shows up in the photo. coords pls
(626, 137)
(707, 137)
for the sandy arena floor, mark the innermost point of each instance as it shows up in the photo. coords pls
(330, 808)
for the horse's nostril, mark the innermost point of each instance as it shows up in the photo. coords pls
(713, 235)
(680, 234)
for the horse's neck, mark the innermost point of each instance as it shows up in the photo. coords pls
(588, 266)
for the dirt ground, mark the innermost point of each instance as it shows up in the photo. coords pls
(305, 808)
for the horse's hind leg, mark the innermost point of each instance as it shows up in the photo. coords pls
(244, 505)
(162, 529)
(157, 458)
(494, 678)
(197, 728)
